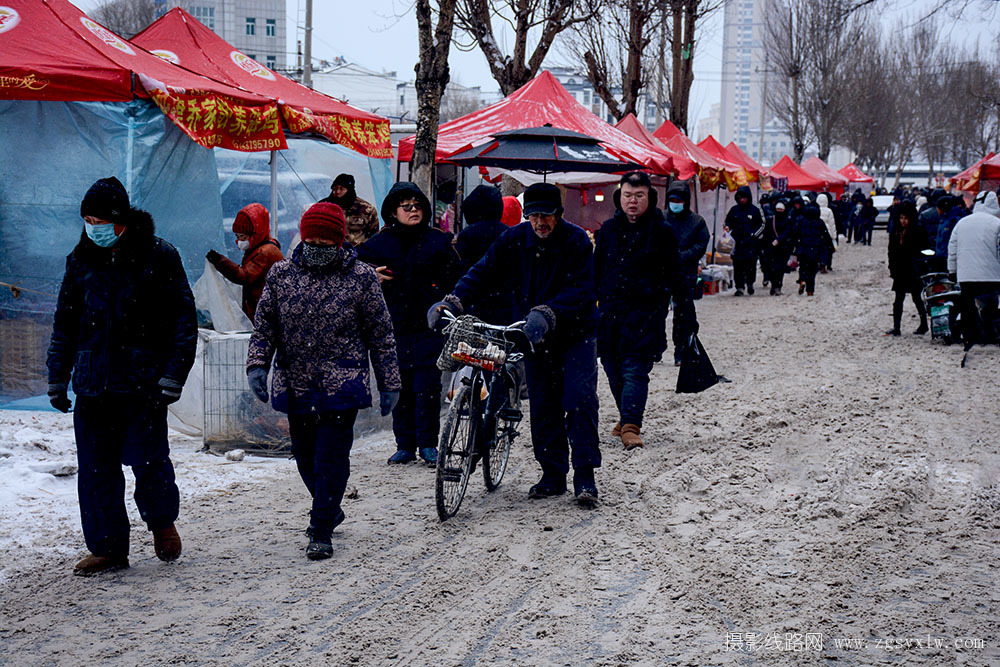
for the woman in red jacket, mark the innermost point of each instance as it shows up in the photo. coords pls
(260, 252)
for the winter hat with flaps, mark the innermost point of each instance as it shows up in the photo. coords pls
(485, 203)
(343, 180)
(106, 199)
(542, 199)
(325, 221)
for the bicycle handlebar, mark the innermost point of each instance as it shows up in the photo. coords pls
(516, 327)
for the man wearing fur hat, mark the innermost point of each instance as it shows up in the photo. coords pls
(360, 216)
(125, 332)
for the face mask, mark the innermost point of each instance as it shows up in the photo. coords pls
(319, 255)
(676, 207)
(102, 235)
(243, 245)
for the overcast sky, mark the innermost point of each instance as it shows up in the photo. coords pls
(382, 35)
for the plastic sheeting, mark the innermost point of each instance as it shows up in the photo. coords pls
(305, 172)
(52, 153)
(220, 299)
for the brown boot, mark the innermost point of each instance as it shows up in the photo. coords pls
(92, 565)
(617, 430)
(630, 436)
(167, 543)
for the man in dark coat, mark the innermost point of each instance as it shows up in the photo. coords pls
(360, 216)
(546, 267)
(906, 241)
(779, 238)
(125, 330)
(417, 265)
(321, 318)
(692, 237)
(931, 215)
(636, 268)
(483, 213)
(812, 240)
(260, 252)
(745, 223)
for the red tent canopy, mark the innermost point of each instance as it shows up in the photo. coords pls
(631, 126)
(715, 149)
(542, 100)
(50, 50)
(742, 158)
(835, 182)
(970, 178)
(712, 170)
(798, 178)
(183, 40)
(855, 175)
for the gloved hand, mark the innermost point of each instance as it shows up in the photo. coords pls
(436, 313)
(213, 257)
(535, 327)
(170, 390)
(257, 377)
(58, 398)
(387, 401)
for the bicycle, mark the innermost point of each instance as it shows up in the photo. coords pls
(485, 411)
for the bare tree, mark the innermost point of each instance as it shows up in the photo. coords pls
(458, 102)
(686, 16)
(549, 18)
(432, 77)
(786, 44)
(125, 17)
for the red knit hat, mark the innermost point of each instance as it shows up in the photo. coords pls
(323, 220)
(243, 224)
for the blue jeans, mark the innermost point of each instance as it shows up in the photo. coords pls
(321, 445)
(629, 380)
(562, 398)
(112, 431)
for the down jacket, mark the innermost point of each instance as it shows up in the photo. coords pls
(263, 252)
(320, 326)
(690, 230)
(125, 317)
(974, 246)
(745, 222)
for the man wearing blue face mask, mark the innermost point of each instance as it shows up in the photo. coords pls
(692, 241)
(125, 333)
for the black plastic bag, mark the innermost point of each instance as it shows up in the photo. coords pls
(696, 373)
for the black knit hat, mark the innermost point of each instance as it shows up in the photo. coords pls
(106, 199)
(542, 198)
(345, 180)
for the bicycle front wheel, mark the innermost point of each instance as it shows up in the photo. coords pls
(455, 453)
(504, 431)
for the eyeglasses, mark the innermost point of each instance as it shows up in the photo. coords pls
(410, 208)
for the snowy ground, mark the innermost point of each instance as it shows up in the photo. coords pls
(837, 503)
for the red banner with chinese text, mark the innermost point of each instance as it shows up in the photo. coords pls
(367, 137)
(214, 120)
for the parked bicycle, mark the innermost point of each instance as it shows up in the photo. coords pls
(485, 411)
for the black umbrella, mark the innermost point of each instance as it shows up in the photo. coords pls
(543, 150)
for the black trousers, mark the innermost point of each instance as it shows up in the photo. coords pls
(416, 419)
(897, 307)
(321, 445)
(807, 273)
(974, 330)
(112, 431)
(685, 321)
(745, 272)
(562, 398)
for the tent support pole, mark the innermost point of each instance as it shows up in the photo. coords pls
(274, 194)
(715, 222)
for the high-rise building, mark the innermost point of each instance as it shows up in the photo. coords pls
(743, 65)
(255, 27)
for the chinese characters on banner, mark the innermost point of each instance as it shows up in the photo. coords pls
(215, 120)
(367, 137)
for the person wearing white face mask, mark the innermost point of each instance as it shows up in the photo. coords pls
(260, 252)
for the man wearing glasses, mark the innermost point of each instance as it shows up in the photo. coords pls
(636, 269)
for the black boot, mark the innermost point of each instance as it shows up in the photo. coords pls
(320, 542)
(585, 487)
(922, 329)
(551, 484)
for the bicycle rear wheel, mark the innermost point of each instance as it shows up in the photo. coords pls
(505, 430)
(455, 452)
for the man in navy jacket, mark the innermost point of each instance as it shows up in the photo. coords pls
(544, 269)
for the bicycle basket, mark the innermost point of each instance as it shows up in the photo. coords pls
(466, 346)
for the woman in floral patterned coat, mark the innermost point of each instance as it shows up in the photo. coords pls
(321, 317)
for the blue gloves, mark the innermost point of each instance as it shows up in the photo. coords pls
(387, 401)
(257, 377)
(58, 398)
(535, 327)
(436, 314)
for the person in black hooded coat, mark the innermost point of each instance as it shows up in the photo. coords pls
(125, 330)
(482, 211)
(812, 240)
(779, 238)
(636, 269)
(744, 222)
(692, 241)
(417, 265)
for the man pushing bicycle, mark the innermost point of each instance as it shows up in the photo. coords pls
(545, 269)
